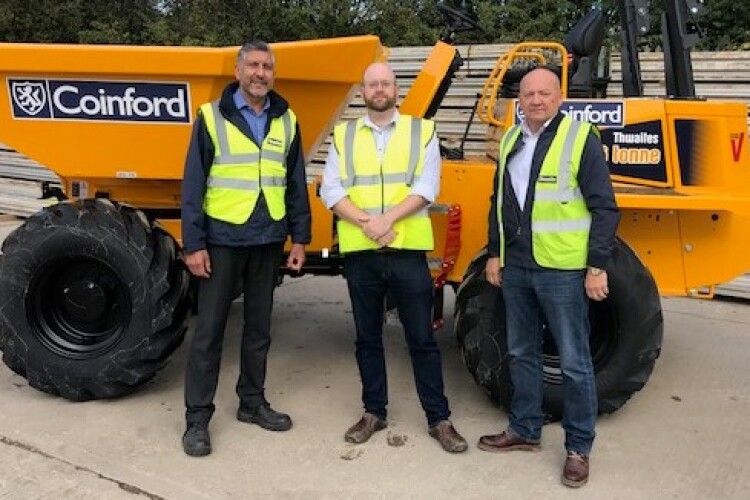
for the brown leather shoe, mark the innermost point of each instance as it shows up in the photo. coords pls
(505, 441)
(576, 471)
(449, 438)
(368, 425)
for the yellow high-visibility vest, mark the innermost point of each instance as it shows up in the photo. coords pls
(375, 186)
(560, 220)
(240, 170)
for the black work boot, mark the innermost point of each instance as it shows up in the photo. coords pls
(265, 417)
(196, 441)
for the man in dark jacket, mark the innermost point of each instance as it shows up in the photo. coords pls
(552, 228)
(244, 191)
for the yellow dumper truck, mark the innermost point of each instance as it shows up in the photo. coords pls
(94, 296)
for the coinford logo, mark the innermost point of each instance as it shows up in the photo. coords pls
(599, 113)
(100, 100)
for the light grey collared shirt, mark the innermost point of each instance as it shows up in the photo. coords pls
(427, 185)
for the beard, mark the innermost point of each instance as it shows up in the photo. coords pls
(383, 104)
(256, 89)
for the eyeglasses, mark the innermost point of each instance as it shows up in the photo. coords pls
(386, 84)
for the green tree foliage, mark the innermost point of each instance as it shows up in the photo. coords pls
(403, 22)
(78, 21)
(726, 23)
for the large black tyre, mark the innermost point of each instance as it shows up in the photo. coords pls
(626, 335)
(93, 299)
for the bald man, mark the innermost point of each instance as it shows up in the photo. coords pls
(382, 172)
(554, 199)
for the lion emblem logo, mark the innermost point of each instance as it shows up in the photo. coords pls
(30, 97)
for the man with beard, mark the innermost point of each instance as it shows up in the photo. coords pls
(244, 191)
(382, 172)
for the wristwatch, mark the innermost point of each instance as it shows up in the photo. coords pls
(595, 271)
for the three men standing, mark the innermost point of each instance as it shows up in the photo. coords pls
(551, 234)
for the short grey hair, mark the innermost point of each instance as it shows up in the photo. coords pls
(254, 45)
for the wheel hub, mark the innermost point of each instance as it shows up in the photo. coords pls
(79, 307)
(85, 300)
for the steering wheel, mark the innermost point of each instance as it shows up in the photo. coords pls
(457, 20)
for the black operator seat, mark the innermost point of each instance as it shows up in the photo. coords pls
(583, 43)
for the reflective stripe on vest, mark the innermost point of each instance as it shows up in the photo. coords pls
(240, 170)
(560, 220)
(376, 185)
(414, 153)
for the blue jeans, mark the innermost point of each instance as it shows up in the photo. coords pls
(369, 276)
(532, 296)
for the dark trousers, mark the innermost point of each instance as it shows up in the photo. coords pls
(257, 269)
(370, 275)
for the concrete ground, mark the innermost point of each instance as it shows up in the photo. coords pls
(686, 435)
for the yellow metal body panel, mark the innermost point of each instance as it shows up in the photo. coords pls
(654, 235)
(317, 77)
(468, 183)
(417, 101)
(323, 224)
